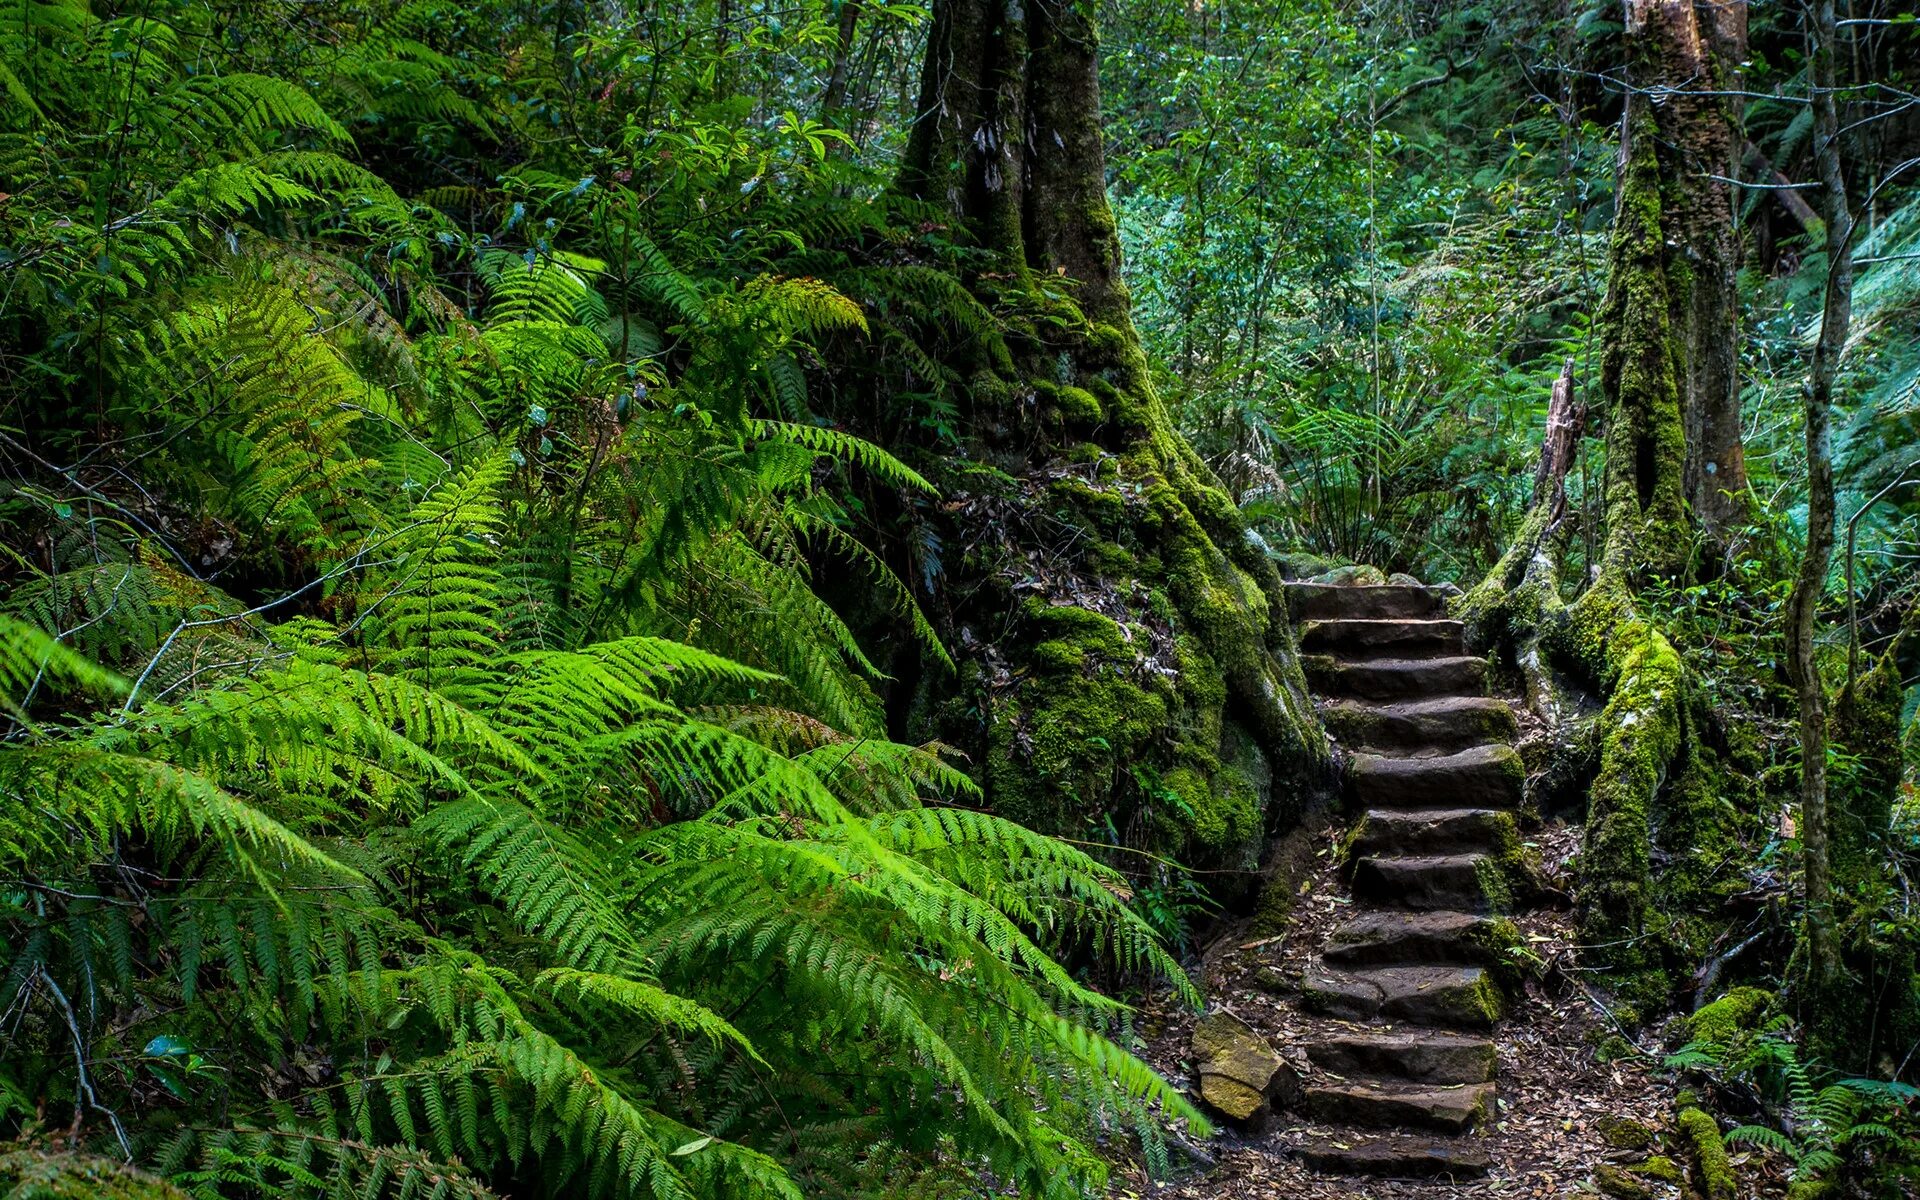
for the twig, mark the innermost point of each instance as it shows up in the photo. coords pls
(83, 1086)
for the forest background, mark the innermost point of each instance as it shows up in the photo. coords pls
(590, 610)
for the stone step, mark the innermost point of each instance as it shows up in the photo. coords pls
(1422, 1057)
(1463, 997)
(1333, 601)
(1477, 777)
(1350, 638)
(1396, 678)
(1397, 1158)
(1434, 831)
(1445, 724)
(1393, 1103)
(1464, 882)
(1381, 938)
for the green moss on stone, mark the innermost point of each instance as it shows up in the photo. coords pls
(1731, 1017)
(1059, 656)
(1620, 1133)
(1620, 1183)
(1712, 1173)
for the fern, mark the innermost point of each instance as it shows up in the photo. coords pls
(432, 766)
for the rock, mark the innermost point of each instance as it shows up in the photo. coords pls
(1235, 1065)
(1395, 678)
(1621, 1183)
(1403, 579)
(1398, 1158)
(1394, 1104)
(1331, 601)
(1357, 576)
(1384, 938)
(1622, 1134)
(1444, 723)
(1457, 882)
(1483, 776)
(1368, 636)
(1420, 1056)
(1435, 831)
(1458, 996)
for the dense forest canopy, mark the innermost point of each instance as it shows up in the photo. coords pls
(725, 598)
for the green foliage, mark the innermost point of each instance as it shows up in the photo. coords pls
(1841, 1128)
(1359, 285)
(433, 764)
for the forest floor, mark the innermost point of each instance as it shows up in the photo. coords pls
(1556, 1083)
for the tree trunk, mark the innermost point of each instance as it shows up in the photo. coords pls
(1685, 58)
(1804, 606)
(835, 97)
(1639, 370)
(1127, 668)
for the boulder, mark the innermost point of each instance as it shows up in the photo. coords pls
(1236, 1067)
(1352, 577)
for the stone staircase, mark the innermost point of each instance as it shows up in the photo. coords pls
(1403, 997)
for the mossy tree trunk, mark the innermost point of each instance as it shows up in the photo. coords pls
(1127, 670)
(1684, 65)
(1653, 794)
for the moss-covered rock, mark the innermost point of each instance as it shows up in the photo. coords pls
(1620, 1183)
(1354, 576)
(1731, 1018)
(1235, 1066)
(1623, 1133)
(1711, 1172)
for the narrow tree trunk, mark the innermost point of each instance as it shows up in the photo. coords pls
(835, 96)
(1566, 424)
(1782, 190)
(1803, 608)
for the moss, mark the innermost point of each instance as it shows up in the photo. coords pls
(1496, 884)
(1106, 509)
(1729, 1018)
(1641, 735)
(1076, 718)
(1662, 1168)
(1712, 1173)
(1295, 565)
(1078, 406)
(1096, 632)
(1620, 1133)
(1352, 576)
(1220, 816)
(1059, 656)
(1058, 745)
(1646, 440)
(1865, 725)
(1113, 560)
(1620, 1183)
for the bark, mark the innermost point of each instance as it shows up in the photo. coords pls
(1125, 656)
(1783, 190)
(1804, 605)
(835, 96)
(1685, 57)
(1640, 369)
(1566, 425)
